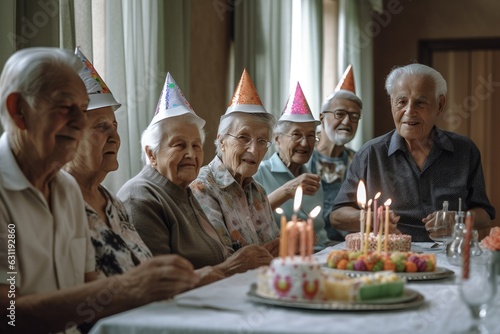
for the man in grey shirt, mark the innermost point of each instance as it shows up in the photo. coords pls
(416, 165)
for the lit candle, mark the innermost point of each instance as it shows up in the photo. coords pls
(302, 240)
(283, 234)
(310, 231)
(368, 222)
(361, 196)
(380, 227)
(386, 234)
(375, 213)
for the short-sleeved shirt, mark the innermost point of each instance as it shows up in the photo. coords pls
(118, 246)
(52, 242)
(272, 174)
(332, 171)
(241, 215)
(452, 170)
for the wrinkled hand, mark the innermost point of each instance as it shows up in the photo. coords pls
(160, 277)
(429, 221)
(393, 223)
(246, 258)
(273, 247)
(209, 275)
(310, 184)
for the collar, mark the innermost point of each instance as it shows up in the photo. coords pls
(440, 138)
(223, 177)
(10, 172)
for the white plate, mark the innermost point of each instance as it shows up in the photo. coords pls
(410, 299)
(439, 273)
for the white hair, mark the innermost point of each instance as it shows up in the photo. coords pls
(416, 70)
(155, 134)
(226, 125)
(26, 72)
(341, 94)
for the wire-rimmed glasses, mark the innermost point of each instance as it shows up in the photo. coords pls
(247, 141)
(297, 137)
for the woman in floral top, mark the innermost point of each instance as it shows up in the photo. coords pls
(117, 244)
(235, 204)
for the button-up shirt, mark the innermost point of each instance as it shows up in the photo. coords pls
(451, 171)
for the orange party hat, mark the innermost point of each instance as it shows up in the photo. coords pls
(99, 94)
(245, 97)
(297, 109)
(173, 103)
(347, 81)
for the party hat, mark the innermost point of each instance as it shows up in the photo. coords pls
(173, 103)
(99, 94)
(297, 109)
(245, 97)
(347, 81)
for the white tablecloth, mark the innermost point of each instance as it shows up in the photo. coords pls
(223, 307)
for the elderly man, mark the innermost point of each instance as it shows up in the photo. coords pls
(339, 117)
(417, 165)
(45, 247)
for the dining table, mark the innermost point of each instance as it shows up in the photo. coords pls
(227, 306)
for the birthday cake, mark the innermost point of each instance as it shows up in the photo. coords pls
(374, 261)
(302, 279)
(395, 242)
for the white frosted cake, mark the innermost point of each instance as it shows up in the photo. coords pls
(291, 278)
(396, 242)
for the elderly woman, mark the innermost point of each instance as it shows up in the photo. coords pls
(43, 103)
(160, 203)
(235, 204)
(294, 136)
(117, 244)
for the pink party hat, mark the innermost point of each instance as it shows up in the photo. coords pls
(173, 103)
(245, 97)
(297, 109)
(347, 81)
(99, 94)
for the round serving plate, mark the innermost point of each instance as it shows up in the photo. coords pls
(410, 299)
(439, 273)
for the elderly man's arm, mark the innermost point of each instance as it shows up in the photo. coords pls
(158, 278)
(345, 218)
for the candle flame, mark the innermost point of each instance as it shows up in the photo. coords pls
(370, 202)
(279, 211)
(388, 202)
(298, 199)
(361, 195)
(378, 195)
(315, 212)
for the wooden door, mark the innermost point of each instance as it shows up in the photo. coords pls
(472, 107)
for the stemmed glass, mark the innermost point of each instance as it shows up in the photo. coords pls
(478, 290)
(444, 223)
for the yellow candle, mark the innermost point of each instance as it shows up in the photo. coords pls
(379, 233)
(368, 226)
(386, 234)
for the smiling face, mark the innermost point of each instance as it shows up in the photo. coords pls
(415, 107)
(54, 126)
(340, 132)
(99, 145)
(241, 160)
(180, 154)
(297, 153)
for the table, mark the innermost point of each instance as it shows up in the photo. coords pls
(222, 307)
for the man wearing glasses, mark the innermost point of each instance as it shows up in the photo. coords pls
(339, 117)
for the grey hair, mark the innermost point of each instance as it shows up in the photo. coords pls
(25, 72)
(226, 125)
(155, 134)
(341, 94)
(416, 70)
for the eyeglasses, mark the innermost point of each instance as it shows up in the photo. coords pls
(298, 137)
(341, 114)
(247, 141)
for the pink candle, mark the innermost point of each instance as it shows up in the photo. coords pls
(375, 213)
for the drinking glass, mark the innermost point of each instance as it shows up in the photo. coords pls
(442, 231)
(478, 290)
